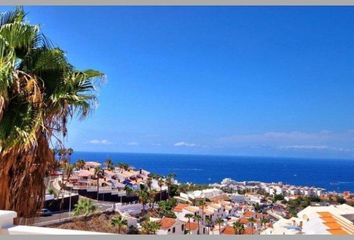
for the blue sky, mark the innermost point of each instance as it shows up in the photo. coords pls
(263, 81)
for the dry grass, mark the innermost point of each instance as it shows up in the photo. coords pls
(95, 223)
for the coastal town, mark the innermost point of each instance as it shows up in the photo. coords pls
(239, 98)
(140, 202)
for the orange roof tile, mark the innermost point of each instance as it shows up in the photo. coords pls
(166, 222)
(243, 220)
(248, 214)
(324, 214)
(179, 207)
(192, 226)
(333, 225)
(249, 231)
(228, 230)
(328, 219)
(338, 232)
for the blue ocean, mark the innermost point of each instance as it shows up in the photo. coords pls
(333, 175)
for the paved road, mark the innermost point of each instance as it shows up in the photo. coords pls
(101, 207)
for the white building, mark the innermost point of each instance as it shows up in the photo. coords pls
(329, 220)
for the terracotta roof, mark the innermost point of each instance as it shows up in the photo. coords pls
(192, 226)
(228, 230)
(338, 232)
(324, 214)
(166, 222)
(333, 225)
(179, 207)
(249, 231)
(243, 220)
(248, 214)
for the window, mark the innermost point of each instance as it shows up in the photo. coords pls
(182, 227)
(173, 230)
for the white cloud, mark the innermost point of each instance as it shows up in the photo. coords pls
(314, 147)
(293, 141)
(97, 141)
(133, 143)
(184, 144)
(310, 147)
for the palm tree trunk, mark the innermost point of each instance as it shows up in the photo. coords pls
(21, 174)
(98, 187)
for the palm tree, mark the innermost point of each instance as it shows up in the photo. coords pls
(219, 221)
(150, 227)
(143, 197)
(119, 221)
(124, 166)
(40, 91)
(189, 216)
(151, 196)
(242, 229)
(109, 164)
(202, 204)
(149, 182)
(98, 174)
(264, 221)
(237, 227)
(69, 168)
(160, 183)
(128, 190)
(208, 223)
(169, 182)
(80, 164)
(84, 207)
(252, 221)
(197, 218)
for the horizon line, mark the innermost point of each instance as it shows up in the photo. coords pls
(219, 155)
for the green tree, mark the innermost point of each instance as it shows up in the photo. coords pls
(150, 227)
(197, 218)
(124, 166)
(189, 216)
(252, 220)
(40, 91)
(109, 164)
(80, 164)
(99, 173)
(237, 226)
(128, 190)
(219, 221)
(84, 207)
(119, 221)
(208, 223)
(160, 183)
(169, 182)
(149, 182)
(143, 198)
